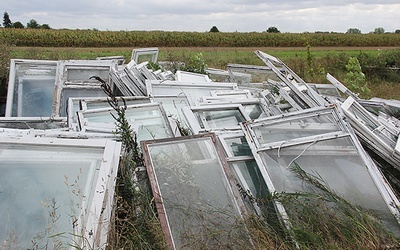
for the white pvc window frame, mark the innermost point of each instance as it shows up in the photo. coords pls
(92, 225)
(185, 76)
(144, 52)
(109, 126)
(197, 120)
(16, 89)
(384, 189)
(381, 138)
(65, 83)
(194, 91)
(76, 104)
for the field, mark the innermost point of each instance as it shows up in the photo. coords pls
(380, 64)
(93, 38)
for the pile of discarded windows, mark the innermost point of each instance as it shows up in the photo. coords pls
(208, 141)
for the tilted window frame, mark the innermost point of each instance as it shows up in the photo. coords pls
(155, 183)
(383, 188)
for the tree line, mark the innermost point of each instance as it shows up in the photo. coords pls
(33, 24)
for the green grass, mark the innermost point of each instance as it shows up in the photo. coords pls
(383, 83)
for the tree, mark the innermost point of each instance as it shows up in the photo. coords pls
(353, 31)
(214, 29)
(397, 32)
(6, 20)
(355, 78)
(33, 24)
(18, 25)
(273, 30)
(45, 26)
(379, 30)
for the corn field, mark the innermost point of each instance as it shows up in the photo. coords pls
(94, 38)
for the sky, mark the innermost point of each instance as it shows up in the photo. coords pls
(295, 16)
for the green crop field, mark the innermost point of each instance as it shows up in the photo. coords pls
(93, 38)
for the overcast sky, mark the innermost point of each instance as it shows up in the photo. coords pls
(201, 15)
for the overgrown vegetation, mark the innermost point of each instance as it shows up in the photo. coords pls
(5, 56)
(136, 225)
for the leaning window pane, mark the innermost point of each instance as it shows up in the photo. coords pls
(340, 168)
(196, 196)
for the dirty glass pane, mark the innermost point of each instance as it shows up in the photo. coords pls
(221, 118)
(296, 128)
(33, 90)
(82, 73)
(199, 203)
(77, 92)
(238, 146)
(147, 121)
(249, 176)
(339, 167)
(254, 111)
(173, 107)
(362, 118)
(44, 192)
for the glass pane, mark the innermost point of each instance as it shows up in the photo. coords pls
(173, 107)
(223, 118)
(248, 174)
(77, 92)
(238, 146)
(44, 193)
(33, 90)
(296, 128)
(84, 73)
(148, 122)
(199, 203)
(254, 111)
(339, 166)
(362, 118)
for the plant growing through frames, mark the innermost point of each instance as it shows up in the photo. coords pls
(136, 225)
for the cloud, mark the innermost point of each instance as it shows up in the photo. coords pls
(190, 15)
